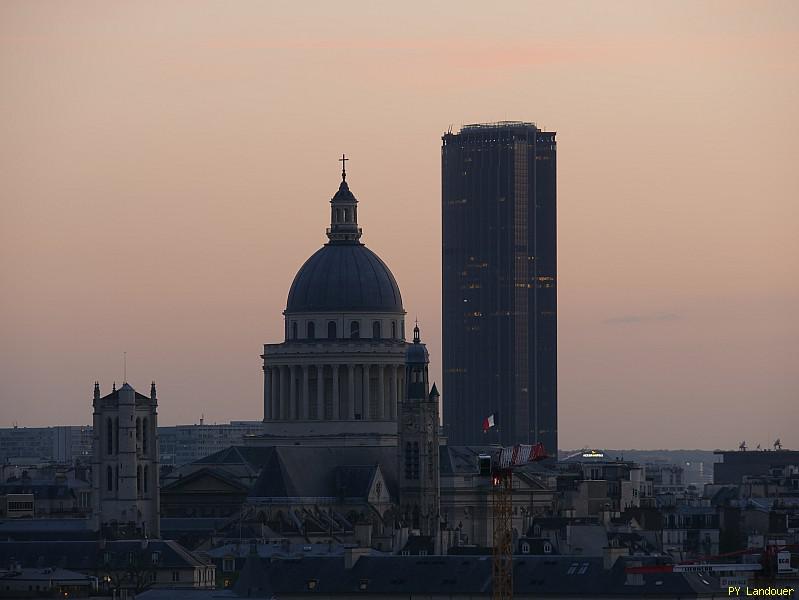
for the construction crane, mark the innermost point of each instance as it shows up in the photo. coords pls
(501, 469)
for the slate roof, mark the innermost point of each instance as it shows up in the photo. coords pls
(533, 576)
(86, 556)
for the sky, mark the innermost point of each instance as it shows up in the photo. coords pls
(166, 167)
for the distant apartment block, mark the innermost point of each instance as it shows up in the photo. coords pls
(178, 444)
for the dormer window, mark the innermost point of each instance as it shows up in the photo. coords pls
(355, 330)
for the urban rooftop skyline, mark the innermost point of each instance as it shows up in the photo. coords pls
(163, 179)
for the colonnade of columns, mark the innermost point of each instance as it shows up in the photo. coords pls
(332, 392)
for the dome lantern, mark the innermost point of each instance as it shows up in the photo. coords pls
(344, 212)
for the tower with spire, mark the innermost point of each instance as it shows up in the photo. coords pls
(418, 443)
(125, 486)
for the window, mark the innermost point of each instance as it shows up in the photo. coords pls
(138, 479)
(110, 428)
(311, 331)
(145, 477)
(376, 330)
(525, 548)
(355, 330)
(175, 575)
(109, 478)
(294, 330)
(331, 330)
(138, 428)
(155, 557)
(228, 565)
(393, 330)
(145, 425)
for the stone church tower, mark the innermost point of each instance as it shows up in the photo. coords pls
(418, 444)
(125, 463)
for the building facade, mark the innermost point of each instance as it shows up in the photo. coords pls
(499, 299)
(341, 367)
(125, 483)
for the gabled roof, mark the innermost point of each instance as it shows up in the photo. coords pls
(318, 471)
(205, 473)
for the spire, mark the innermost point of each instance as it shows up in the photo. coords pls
(416, 337)
(152, 390)
(344, 212)
(434, 392)
(114, 389)
(96, 390)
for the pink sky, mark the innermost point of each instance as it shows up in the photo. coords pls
(165, 169)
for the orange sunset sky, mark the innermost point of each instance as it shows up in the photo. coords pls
(166, 167)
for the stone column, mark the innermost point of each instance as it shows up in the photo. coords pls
(306, 393)
(351, 392)
(392, 393)
(292, 394)
(366, 412)
(335, 393)
(381, 393)
(320, 392)
(267, 394)
(284, 388)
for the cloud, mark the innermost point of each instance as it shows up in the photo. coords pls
(630, 319)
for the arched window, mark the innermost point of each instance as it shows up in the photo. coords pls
(145, 427)
(116, 478)
(109, 425)
(146, 477)
(294, 330)
(376, 330)
(116, 435)
(138, 428)
(138, 479)
(346, 216)
(355, 330)
(393, 330)
(109, 479)
(402, 329)
(415, 460)
(331, 330)
(311, 330)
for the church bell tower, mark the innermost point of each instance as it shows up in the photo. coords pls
(125, 463)
(418, 443)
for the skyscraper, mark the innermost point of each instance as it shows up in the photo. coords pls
(499, 284)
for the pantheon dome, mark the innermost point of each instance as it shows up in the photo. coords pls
(341, 367)
(344, 277)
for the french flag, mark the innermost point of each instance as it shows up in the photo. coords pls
(489, 422)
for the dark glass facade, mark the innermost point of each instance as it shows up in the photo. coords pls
(499, 284)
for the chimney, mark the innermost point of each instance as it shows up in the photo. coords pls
(611, 554)
(352, 555)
